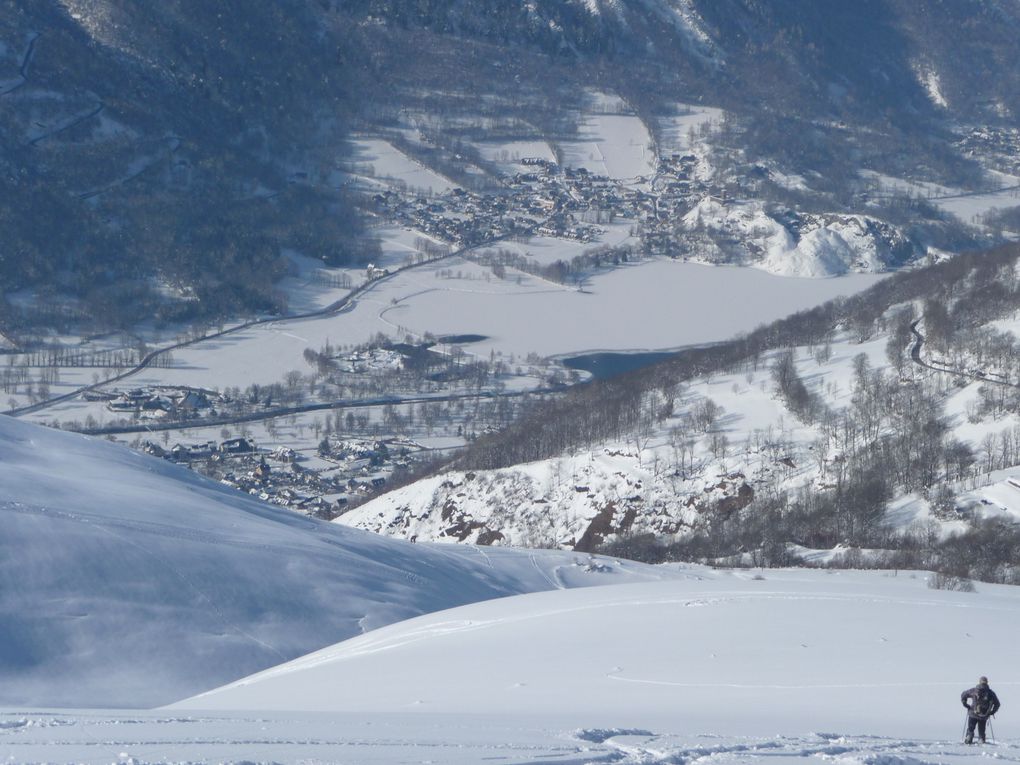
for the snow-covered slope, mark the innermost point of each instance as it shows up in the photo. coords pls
(732, 654)
(730, 668)
(729, 437)
(573, 502)
(125, 580)
(805, 245)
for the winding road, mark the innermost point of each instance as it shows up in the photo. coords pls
(26, 62)
(67, 125)
(915, 355)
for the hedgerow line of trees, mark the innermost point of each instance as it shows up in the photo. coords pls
(124, 358)
(560, 271)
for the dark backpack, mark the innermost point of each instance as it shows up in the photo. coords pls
(982, 705)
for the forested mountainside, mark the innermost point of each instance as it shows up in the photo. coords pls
(149, 153)
(878, 429)
(869, 58)
(161, 159)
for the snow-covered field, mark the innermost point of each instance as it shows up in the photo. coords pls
(611, 142)
(378, 158)
(680, 131)
(508, 155)
(101, 738)
(545, 250)
(968, 206)
(715, 667)
(718, 652)
(614, 145)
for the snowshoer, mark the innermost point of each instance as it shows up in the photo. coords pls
(981, 703)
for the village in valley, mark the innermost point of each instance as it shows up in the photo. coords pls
(323, 409)
(324, 439)
(323, 484)
(552, 201)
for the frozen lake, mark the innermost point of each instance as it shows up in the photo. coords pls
(655, 305)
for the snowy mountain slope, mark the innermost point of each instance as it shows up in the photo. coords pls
(127, 581)
(806, 245)
(730, 654)
(573, 502)
(718, 453)
(669, 481)
(716, 667)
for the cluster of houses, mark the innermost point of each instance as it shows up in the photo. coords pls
(460, 217)
(372, 271)
(345, 471)
(1002, 143)
(158, 401)
(563, 225)
(549, 200)
(371, 359)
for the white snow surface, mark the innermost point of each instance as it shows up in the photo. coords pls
(720, 667)
(681, 131)
(655, 304)
(827, 246)
(615, 145)
(509, 155)
(134, 738)
(784, 653)
(381, 159)
(850, 668)
(128, 581)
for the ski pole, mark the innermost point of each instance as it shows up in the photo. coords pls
(991, 728)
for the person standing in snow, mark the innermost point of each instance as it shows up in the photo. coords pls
(981, 703)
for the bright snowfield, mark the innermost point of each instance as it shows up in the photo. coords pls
(719, 668)
(378, 158)
(720, 652)
(611, 141)
(826, 246)
(128, 581)
(658, 304)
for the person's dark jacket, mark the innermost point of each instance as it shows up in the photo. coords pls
(983, 702)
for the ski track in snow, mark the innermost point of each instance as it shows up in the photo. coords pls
(557, 583)
(148, 737)
(635, 746)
